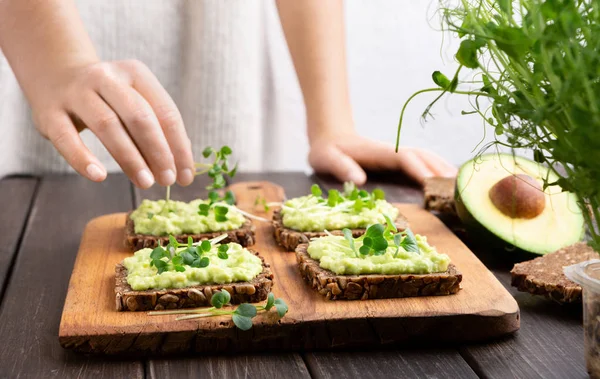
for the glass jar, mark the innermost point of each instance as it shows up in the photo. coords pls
(587, 275)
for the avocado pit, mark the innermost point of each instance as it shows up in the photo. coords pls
(518, 196)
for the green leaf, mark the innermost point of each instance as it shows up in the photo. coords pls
(364, 250)
(204, 262)
(220, 298)
(233, 171)
(160, 265)
(207, 152)
(506, 6)
(390, 224)
(359, 204)
(206, 246)
(378, 194)
(219, 181)
(150, 215)
(221, 210)
(270, 301)
(190, 242)
(467, 53)
(316, 190)
(538, 156)
(242, 322)
(409, 243)
(173, 242)
(187, 257)
(333, 198)
(213, 196)
(363, 194)
(220, 218)
(375, 230)
(229, 198)
(379, 244)
(512, 41)
(203, 209)
(177, 260)
(368, 241)
(179, 268)
(281, 307)
(158, 253)
(222, 254)
(226, 150)
(247, 310)
(440, 79)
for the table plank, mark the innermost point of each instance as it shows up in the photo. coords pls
(433, 363)
(16, 197)
(35, 294)
(223, 366)
(549, 344)
(227, 366)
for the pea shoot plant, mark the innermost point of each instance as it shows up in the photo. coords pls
(175, 256)
(350, 200)
(535, 63)
(241, 316)
(378, 238)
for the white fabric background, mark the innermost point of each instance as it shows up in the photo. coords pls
(227, 67)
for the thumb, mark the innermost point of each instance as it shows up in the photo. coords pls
(328, 159)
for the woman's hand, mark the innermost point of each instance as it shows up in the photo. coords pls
(69, 89)
(347, 156)
(125, 106)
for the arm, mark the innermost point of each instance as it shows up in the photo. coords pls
(314, 30)
(66, 85)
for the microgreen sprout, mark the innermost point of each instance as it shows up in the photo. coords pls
(378, 238)
(190, 254)
(241, 316)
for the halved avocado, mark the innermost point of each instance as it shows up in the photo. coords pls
(502, 194)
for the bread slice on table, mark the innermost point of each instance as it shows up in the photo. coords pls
(439, 195)
(544, 275)
(128, 299)
(290, 238)
(135, 241)
(375, 286)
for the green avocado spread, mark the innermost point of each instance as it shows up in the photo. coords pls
(177, 217)
(335, 254)
(240, 266)
(308, 213)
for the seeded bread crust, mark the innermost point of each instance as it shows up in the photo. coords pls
(290, 238)
(128, 299)
(135, 241)
(439, 195)
(544, 275)
(375, 286)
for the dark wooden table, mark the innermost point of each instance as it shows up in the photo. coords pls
(41, 222)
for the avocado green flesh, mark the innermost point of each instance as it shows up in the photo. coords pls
(240, 266)
(560, 224)
(334, 254)
(157, 218)
(306, 214)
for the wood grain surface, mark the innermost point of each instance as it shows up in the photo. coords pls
(482, 310)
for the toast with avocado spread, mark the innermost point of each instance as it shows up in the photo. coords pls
(247, 278)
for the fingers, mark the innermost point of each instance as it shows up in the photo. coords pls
(141, 123)
(168, 116)
(327, 158)
(437, 164)
(65, 138)
(106, 125)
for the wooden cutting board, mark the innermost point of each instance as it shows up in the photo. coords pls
(483, 309)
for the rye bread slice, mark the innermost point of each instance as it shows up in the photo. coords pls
(544, 275)
(375, 286)
(290, 238)
(439, 195)
(135, 241)
(128, 299)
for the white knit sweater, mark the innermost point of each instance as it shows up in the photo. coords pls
(223, 62)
